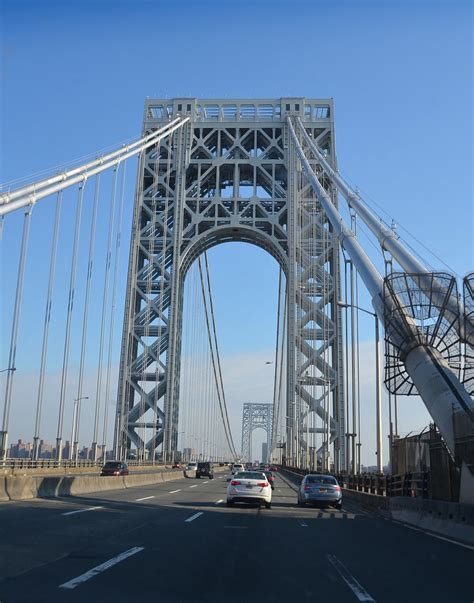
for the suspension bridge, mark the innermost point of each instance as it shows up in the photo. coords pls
(211, 171)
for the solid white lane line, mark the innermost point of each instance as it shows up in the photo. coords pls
(194, 486)
(193, 517)
(406, 525)
(100, 568)
(145, 498)
(174, 491)
(351, 582)
(219, 501)
(82, 510)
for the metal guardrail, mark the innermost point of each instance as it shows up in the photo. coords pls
(413, 485)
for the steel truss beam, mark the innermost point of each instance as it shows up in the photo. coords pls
(230, 175)
(255, 416)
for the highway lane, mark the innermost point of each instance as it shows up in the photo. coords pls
(175, 542)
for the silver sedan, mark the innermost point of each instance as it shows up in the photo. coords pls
(322, 489)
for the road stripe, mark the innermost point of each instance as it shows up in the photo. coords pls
(236, 527)
(349, 579)
(195, 486)
(145, 498)
(174, 491)
(219, 501)
(204, 483)
(101, 568)
(406, 525)
(302, 523)
(193, 517)
(82, 510)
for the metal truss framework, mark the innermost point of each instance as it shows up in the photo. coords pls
(230, 174)
(255, 416)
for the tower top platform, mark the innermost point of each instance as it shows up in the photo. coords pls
(238, 110)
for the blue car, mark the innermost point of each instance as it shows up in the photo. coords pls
(321, 489)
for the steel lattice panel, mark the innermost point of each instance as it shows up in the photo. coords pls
(468, 372)
(228, 175)
(416, 313)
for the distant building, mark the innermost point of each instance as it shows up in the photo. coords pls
(20, 450)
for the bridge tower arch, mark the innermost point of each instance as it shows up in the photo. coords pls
(229, 174)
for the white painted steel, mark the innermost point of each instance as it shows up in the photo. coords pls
(390, 241)
(9, 202)
(439, 388)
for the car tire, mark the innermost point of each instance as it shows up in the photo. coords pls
(338, 505)
(211, 477)
(230, 503)
(198, 477)
(268, 505)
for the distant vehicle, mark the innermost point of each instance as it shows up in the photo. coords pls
(204, 470)
(249, 487)
(114, 468)
(177, 466)
(191, 466)
(270, 477)
(236, 467)
(248, 466)
(273, 468)
(321, 489)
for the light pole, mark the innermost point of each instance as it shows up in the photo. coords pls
(4, 432)
(378, 385)
(73, 447)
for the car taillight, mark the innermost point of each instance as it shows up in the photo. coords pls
(234, 482)
(116, 472)
(307, 487)
(337, 488)
(262, 484)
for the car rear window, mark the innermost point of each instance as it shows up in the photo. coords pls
(250, 475)
(111, 465)
(321, 479)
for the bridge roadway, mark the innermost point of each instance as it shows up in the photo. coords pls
(184, 545)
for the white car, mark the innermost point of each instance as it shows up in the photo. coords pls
(249, 486)
(192, 466)
(237, 468)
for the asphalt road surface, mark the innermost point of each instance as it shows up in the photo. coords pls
(178, 542)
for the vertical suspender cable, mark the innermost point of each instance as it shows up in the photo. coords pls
(14, 335)
(105, 300)
(67, 338)
(275, 376)
(47, 322)
(118, 241)
(211, 305)
(74, 445)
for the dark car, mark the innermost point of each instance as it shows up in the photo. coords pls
(114, 468)
(205, 470)
(270, 477)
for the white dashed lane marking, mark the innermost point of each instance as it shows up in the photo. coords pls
(351, 582)
(145, 498)
(100, 568)
(82, 510)
(193, 517)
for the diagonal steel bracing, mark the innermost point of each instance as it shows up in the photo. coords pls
(229, 174)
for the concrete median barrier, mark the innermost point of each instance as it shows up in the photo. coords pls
(3, 489)
(15, 487)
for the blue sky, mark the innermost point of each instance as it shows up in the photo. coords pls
(75, 76)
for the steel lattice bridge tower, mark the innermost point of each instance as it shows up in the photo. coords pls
(255, 416)
(230, 173)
